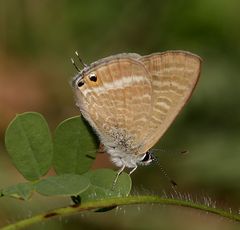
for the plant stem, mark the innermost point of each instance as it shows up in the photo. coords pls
(107, 203)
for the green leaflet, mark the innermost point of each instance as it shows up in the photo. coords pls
(29, 145)
(74, 147)
(62, 185)
(101, 185)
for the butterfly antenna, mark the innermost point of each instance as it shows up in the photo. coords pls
(80, 60)
(181, 152)
(174, 184)
(74, 64)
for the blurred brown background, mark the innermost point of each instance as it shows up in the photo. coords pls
(37, 39)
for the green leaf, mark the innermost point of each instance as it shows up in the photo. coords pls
(63, 185)
(101, 185)
(19, 191)
(74, 147)
(29, 145)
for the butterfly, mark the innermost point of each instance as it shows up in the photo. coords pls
(130, 100)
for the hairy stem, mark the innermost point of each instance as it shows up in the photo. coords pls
(108, 203)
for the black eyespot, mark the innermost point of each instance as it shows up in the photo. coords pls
(93, 77)
(80, 83)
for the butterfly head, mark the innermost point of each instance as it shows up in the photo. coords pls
(147, 158)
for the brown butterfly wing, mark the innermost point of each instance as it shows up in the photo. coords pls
(174, 75)
(119, 99)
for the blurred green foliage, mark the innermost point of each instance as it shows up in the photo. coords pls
(42, 35)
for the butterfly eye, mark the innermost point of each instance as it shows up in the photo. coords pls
(146, 157)
(93, 77)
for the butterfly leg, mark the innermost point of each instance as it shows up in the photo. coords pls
(133, 170)
(118, 174)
